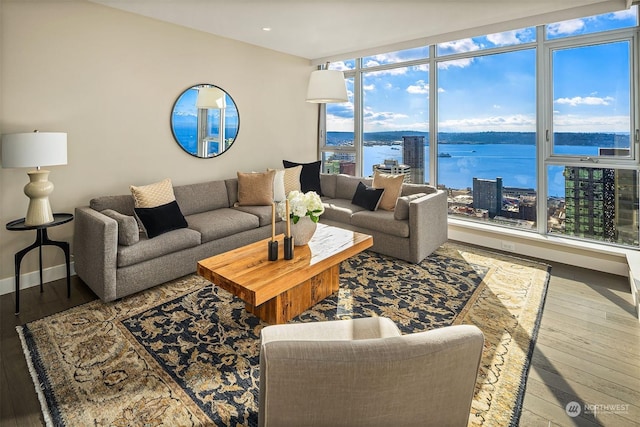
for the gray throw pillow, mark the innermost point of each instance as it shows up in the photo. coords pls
(128, 232)
(401, 212)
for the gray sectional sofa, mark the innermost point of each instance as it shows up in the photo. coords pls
(417, 226)
(114, 266)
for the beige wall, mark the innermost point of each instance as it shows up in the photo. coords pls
(109, 79)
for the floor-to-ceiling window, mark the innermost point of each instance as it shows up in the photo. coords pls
(533, 128)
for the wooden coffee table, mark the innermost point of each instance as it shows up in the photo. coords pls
(277, 291)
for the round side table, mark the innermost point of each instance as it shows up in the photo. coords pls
(41, 240)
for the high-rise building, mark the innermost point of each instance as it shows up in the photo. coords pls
(391, 166)
(487, 194)
(590, 202)
(413, 155)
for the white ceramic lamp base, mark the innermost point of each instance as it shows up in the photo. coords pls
(38, 190)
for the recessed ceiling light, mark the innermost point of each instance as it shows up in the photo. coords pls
(266, 28)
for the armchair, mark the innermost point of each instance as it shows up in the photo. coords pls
(364, 372)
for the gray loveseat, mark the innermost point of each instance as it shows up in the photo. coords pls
(114, 267)
(417, 226)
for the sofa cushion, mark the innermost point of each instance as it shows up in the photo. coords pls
(328, 184)
(201, 197)
(382, 221)
(128, 231)
(220, 223)
(367, 197)
(262, 212)
(309, 177)
(402, 205)
(255, 188)
(161, 219)
(392, 185)
(164, 244)
(346, 185)
(339, 210)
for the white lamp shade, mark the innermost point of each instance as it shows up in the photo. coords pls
(327, 86)
(210, 97)
(34, 149)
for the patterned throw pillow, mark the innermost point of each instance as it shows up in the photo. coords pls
(157, 209)
(309, 177)
(392, 185)
(152, 195)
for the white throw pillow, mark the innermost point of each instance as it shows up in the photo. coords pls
(278, 186)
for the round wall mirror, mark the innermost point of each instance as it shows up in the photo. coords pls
(205, 121)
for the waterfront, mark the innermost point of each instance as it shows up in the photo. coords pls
(514, 163)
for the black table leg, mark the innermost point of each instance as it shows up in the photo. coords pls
(18, 259)
(41, 240)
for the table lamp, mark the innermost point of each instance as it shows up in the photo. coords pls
(35, 149)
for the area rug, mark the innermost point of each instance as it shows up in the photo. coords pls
(187, 353)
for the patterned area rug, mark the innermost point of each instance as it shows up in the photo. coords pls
(187, 353)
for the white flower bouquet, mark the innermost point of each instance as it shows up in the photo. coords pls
(301, 204)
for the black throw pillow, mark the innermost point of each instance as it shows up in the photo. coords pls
(367, 197)
(161, 219)
(309, 177)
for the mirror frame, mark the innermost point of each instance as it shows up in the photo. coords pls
(203, 115)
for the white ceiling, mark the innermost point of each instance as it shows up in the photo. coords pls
(332, 29)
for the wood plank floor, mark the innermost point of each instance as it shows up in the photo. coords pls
(588, 351)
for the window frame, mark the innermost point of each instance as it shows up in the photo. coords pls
(547, 130)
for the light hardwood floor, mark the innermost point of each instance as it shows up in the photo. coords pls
(588, 351)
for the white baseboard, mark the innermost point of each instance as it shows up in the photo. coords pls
(32, 278)
(583, 254)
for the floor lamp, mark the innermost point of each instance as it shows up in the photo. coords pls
(35, 149)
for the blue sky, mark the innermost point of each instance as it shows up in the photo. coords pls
(497, 92)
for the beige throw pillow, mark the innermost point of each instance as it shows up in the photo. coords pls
(256, 188)
(392, 185)
(291, 178)
(153, 195)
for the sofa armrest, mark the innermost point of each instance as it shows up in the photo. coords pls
(95, 244)
(427, 224)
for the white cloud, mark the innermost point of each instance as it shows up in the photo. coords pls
(339, 65)
(339, 124)
(458, 46)
(369, 87)
(566, 27)
(514, 123)
(587, 100)
(460, 63)
(390, 72)
(623, 14)
(419, 88)
(504, 39)
(573, 123)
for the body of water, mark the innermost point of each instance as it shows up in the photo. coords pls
(514, 163)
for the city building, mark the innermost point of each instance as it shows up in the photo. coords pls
(487, 194)
(391, 166)
(413, 155)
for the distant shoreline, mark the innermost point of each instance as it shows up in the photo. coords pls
(594, 139)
